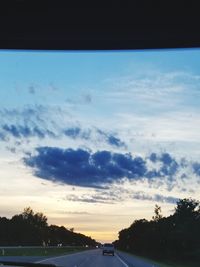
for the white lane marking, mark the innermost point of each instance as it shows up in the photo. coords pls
(83, 262)
(63, 256)
(121, 260)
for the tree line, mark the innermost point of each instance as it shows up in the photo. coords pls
(32, 229)
(176, 237)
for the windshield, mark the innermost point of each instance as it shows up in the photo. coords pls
(100, 148)
(108, 245)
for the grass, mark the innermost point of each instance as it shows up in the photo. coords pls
(40, 251)
(165, 263)
(176, 264)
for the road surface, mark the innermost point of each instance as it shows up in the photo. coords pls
(94, 258)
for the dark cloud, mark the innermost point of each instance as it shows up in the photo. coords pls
(18, 143)
(73, 212)
(196, 168)
(12, 129)
(169, 165)
(168, 199)
(156, 197)
(87, 98)
(153, 157)
(77, 132)
(43, 121)
(21, 131)
(166, 158)
(96, 198)
(111, 139)
(112, 197)
(114, 141)
(83, 168)
(72, 132)
(30, 121)
(3, 137)
(153, 173)
(31, 90)
(25, 122)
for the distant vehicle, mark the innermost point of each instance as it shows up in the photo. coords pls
(108, 249)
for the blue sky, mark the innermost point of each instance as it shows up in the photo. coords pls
(114, 131)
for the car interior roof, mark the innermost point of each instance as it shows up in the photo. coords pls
(57, 25)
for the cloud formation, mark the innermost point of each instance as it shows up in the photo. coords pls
(111, 139)
(157, 197)
(112, 196)
(155, 89)
(169, 165)
(43, 121)
(83, 168)
(96, 198)
(196, 168)
(21, 131)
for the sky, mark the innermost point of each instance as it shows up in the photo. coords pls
(95, 139)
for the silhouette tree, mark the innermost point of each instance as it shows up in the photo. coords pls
(37, 219)
(29, 228)
(187, 207)
(158, 214)
(176, 237)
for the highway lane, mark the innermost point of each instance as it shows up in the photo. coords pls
(134, 261)
(94, 258)
(91, 258)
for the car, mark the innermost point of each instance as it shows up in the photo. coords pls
(108, 249)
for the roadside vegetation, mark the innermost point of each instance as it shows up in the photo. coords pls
(174, 240)
(32, 229)
(167, 263)
(40, 251)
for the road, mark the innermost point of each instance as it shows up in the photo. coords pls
(94, 258)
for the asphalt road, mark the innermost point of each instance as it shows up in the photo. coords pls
(94, 258)
(22, 258)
